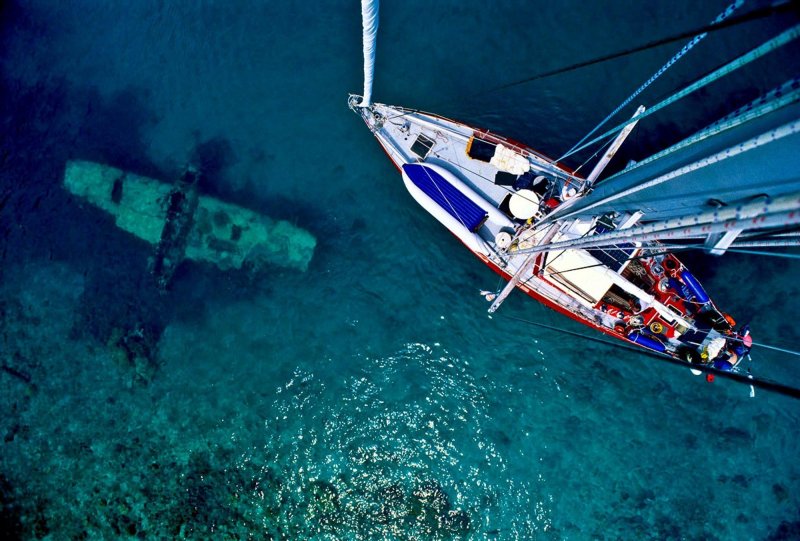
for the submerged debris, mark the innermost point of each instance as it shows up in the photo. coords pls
(171, 249)
(182, 224)
(134, 351)
(19, 374)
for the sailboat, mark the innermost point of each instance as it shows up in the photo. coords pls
(604, 253)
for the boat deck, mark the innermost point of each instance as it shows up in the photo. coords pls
(414, 137)
(504, 190)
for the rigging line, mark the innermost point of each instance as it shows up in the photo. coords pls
(601, 149)
(759, 13)
(777, 8)
(667, 252)
(786, 233)
(767, 238)
(776, 348)
(773, 100)
(768, 243)
(734, 248)
(670, 249)
(778, 41)
(761, 252)
(686, 48)
(765, 384)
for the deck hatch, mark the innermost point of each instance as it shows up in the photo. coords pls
(422, 146)
(614, 257)
(480, 150)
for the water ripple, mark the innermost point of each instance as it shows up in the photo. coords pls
(402, 447)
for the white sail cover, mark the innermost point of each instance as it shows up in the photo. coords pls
(369, 22)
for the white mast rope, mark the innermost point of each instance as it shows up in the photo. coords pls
(369, 23)
(694, 41)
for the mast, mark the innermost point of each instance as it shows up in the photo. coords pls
(771, 214)
(601, 165)
(523, 269)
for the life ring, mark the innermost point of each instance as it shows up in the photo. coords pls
(656, 327)
(671, 266)
(503, 240)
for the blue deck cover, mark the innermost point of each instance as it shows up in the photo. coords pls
(447, 196)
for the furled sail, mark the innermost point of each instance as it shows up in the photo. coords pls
(369, 22)
(749, 153)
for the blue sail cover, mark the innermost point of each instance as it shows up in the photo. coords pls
(447, 196)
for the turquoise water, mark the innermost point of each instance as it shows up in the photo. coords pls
(370, 397)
